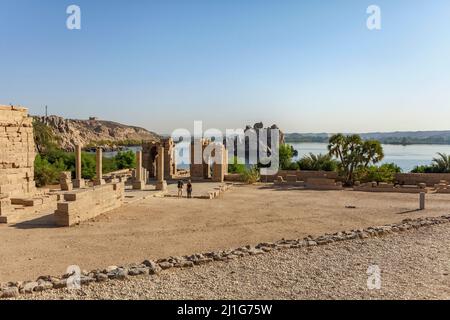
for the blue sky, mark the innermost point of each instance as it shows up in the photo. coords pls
(309, 66)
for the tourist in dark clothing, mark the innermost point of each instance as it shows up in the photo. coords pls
(180, 188)
(189, 189)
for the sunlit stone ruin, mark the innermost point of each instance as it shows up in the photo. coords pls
(156, 174)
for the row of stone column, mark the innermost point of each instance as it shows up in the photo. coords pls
(141, 175)
(139, 180)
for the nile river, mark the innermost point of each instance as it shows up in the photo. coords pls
(406, 157)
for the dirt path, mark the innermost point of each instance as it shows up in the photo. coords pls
(413, 265)
(155, 228)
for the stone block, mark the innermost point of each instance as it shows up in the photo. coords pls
(138, 185)
(161, 185)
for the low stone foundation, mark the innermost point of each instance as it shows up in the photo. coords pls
(430, 179)
(389, 187)
(84, 204)
(301, 175)
(323, 184)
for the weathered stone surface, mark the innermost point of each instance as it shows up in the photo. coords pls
(153, 268)
(43, 285)
(29, 287)
(10, 292)
(165, 265)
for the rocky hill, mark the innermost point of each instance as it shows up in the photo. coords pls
(107, 134)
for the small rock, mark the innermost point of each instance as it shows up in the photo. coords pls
(111, 269)
(10, 292)
(60, 284)
(29, 287)
(153, 268)
(42, 286)
(165, 265)
(186, 264)
(137, 271)
(101, 277)
(312, 243)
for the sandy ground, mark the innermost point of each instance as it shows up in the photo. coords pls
(155, 228)
(412, 265)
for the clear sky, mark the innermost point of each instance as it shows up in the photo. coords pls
(309, 66)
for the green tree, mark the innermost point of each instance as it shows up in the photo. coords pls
(441, 163)
(286, 153)
(354, 154)
(125, 160)
(44, 137)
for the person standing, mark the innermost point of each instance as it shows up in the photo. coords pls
(189, 189)
(180, 188)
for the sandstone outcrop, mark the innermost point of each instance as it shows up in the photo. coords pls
(85, 132)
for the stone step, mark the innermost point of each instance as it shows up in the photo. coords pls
(34, 218)
(25, 209)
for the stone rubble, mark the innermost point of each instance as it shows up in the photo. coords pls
(149, 267)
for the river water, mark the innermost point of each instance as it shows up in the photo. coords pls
(406, 157)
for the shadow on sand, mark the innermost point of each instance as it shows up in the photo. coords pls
(42, 222)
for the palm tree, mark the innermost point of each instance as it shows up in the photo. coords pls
(353, 153)
(317, 162)
(442, 163)
(43, 136)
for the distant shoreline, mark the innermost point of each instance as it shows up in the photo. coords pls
(381, 141)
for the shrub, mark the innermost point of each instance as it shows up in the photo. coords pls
(46, 173)
(125, 160)
(320, 162)
(383, 173)
(251, 175)
(286, 153)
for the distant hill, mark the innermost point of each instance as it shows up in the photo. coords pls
(107, 134)
(399, 137)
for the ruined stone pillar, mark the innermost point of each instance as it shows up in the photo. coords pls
(65, 181)
(79, 181)
(161, 184)
(99, 167)
(422, 201)
(218, 165)
(138, 183)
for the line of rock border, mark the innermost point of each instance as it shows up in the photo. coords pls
(149, 267)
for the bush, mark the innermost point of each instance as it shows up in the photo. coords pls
(125, 160)
(46, 173)
(383, 173)
(235, 167)
(251, 175)
(48, 165)
(320, 162)
(286, 153)
(440, 164)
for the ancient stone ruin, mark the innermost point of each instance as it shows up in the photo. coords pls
(17, 186)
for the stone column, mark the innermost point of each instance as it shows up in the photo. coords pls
(79, 181)
(218, 165)
(138, 183)
(99, 167)
(422, 201)
(161, 184)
